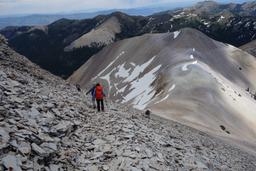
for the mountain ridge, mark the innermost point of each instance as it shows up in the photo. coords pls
(179, 80)
(45, 19)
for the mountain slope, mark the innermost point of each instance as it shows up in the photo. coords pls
(101, 36)
(51, 50)
(250, 48)
(46, 124)
(200, 84)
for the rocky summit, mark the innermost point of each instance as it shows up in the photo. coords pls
(47, 124)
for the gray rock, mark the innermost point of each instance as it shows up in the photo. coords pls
(14, 143)
(33, 113)
(2, 75)
(45, 137)
(105, 167)
(11, 161)
(54, 167)
(38, 150)
(110, 138)
(130, 154)
(97, 155)
(28, 165)
(93, 168)
(12, 121)
(128, 136)
(13, 83)
(98, 142)
(4, 138)
(63, 126)
(24, 148)
(49, 147)
(149, 153)
(50, 105)
(135, 169)
(106, 148)
(2, 109)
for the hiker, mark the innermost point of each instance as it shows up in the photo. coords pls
(92, 91)
(99, 95)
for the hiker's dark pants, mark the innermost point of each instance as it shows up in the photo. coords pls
(100, 104)
(94, 102)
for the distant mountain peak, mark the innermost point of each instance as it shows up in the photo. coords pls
(118, 14)
(207, 3)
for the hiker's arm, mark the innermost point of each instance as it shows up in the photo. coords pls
(89, 91)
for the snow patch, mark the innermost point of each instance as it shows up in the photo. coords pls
(172, 88)
(191, 56)
(168, 94)
(221, 18)
(122, 71)
(138, 70)
(176, 34)
(248, 24)
(177, 16)
(123, 52)
(133, 64)
(185, 66)
(141, 90)
(122, 89)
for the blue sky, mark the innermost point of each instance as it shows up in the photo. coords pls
(13, 7)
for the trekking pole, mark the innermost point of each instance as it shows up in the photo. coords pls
(84, 98)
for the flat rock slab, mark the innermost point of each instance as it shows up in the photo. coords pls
(38, 150)
(4, 138)
(11, 161)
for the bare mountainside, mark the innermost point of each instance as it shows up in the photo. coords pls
(183, 76)
(46, 124)
(250, 48)
(102, 35)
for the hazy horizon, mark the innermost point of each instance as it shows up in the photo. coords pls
(30, 7)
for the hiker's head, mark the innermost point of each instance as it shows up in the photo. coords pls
(98, 84)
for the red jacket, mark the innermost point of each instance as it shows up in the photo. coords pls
(99, 92)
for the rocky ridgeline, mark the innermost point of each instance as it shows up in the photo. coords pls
(46, 124)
